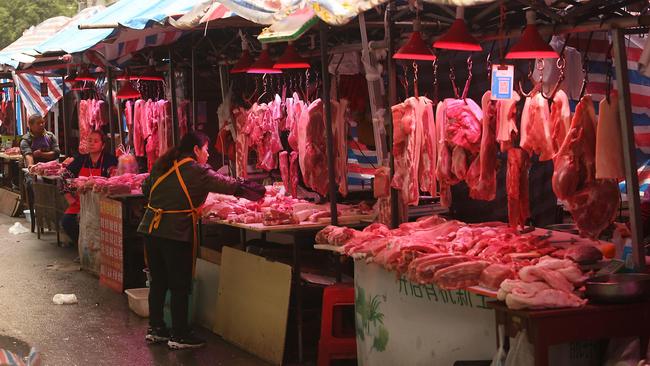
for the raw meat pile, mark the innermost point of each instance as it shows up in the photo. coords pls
(121, 184)
(151, 127)
(451, 254)
(551, 283)
(51, 168)
(275, 209)
(93, 114)
(12, 151)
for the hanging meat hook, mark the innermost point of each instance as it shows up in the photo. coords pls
(585, 67)
(435, 81)
(530, 77)
(452, 78)
(416, 92)
(608, 74)
(469, 77)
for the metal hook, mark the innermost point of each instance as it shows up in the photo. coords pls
(530, 77)
(435, 81)
(452, 78)
(469, 77)
(416, 92)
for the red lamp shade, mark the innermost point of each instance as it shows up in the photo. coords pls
(245, 61)
(290, 59)
(263, 65)
(84, 75)
(78, 86)
(150, 74)
(128, 92)
(415, 49)
(458, 38)
(531, 45)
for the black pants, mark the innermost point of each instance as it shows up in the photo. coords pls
(70, 223)
(170, 266)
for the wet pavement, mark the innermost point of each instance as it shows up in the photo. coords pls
(99, 330)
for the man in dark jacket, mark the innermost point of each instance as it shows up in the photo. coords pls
(38, 145)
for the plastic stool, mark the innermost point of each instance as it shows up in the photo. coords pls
(331, 347)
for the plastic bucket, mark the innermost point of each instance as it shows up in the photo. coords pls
(28, 216)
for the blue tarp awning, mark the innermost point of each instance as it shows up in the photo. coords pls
(127, 13)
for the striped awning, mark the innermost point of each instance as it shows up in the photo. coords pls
(139, 14)
(29, 88)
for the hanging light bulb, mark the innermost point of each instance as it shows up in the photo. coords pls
(415, 48)
(84, 75)
(531, 44)
(290, 59)
(264, 64)
(457, 36)
(127, 91)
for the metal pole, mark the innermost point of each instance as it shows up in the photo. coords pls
(119, 122)
(111, 128)
(327, 107)
(172, 85)
(392, 100)
(66, 122)
(194, 105)
(629, 154)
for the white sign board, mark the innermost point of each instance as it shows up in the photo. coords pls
(402, 323)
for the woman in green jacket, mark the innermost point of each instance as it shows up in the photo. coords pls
(179, 183)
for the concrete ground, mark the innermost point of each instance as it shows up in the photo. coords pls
(99, 330)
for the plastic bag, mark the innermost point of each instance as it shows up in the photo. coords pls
(522, 352)
(61, 299)
(18, 229)
(499, 358)
(623, 352)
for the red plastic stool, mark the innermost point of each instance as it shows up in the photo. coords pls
(331, 347)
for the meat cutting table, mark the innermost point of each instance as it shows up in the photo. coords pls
(592, 322)
(300, 233)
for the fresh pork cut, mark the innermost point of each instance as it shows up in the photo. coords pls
(284, 170)
(241, 143)
(517, 187)
(311, 148)
(293, 174)
(507, 121)
(486, 187)
(609, 152)
(463, 119)
(560, 119)
(407, 147)
(340, 134)
(536, 127)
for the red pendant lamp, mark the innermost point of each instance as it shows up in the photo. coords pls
(242, 65)
(151, 74)
(415, 48)
(127, 91)
(531, 44)
(264, 64)
(78, 86)
(290, 59)
(458, 37)
(84, 75)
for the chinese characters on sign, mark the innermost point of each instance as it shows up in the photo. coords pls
(433, 293)
(111, 273)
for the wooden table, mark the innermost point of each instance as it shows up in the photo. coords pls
(592, 322)
(299, 232)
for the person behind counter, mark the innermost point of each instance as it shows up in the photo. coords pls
(96, 163)
(178, 185)
(38, 145)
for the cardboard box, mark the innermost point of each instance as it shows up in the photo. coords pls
(9, 202)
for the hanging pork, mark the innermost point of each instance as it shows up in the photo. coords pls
(593, 203)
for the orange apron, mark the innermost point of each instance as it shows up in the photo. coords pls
(194, 212)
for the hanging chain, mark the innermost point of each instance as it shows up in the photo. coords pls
(452, 77)
(435, 81)
(469, 77)
(405, 81)
(502, 21)
(416, 92)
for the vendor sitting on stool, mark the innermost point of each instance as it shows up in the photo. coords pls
(176, 189)
(38, 145)
(96, 163)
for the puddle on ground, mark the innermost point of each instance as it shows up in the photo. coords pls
(64, 267)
